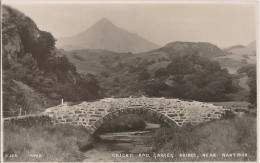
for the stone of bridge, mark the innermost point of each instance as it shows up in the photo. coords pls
(172, 111)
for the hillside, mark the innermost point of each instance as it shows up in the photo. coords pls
(238, 56)
(250, 49)
(126, 74)
(228, 49)
(203, 49)
(34, 77)
(94, 61)
(105, 35)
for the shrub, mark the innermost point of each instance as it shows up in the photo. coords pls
(116, 79)
(143, 75)
(132, 69)
(153, 88)
(78, 57)
(250, 70)
(245, 56)
(104, 74)
(160, 72)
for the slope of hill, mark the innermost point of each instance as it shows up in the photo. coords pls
(228, 49)
(105, 35)
(238, 56)
(34, 77)
(179, 48)
(126, 74)
(94, 61)
(250, 49)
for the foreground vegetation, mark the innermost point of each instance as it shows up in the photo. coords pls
(57, 143)
(227, 136)
(68, 143)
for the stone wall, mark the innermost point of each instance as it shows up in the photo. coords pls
(93, 114)
(29, 121)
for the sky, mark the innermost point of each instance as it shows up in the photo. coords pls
(223, 24)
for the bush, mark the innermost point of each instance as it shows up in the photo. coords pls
(116, 80)
(104, 74)
(78, 57)
(153, 88)
(245, 56)
(250, 70)
(144, 75)
(160, 72)
(132, 69)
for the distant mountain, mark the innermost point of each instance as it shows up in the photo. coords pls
(105, 35)
(250, 49)
(178, 48)
(238, 56)
(233, 47)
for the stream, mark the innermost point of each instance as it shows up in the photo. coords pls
(123, 146)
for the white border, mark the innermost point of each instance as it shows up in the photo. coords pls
(145, 2)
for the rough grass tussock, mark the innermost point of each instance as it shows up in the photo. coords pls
(57, 143)
(235, 135)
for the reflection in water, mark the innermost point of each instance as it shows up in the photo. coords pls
(123, 146)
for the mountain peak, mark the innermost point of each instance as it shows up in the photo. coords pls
(104, 19)
(106, 35)
(105, 22)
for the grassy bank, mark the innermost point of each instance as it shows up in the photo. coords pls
(57, 143)
(235, 135)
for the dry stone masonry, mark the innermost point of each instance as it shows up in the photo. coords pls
(29, 120)
(172, 111)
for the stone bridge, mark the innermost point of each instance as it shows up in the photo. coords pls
(171, 111)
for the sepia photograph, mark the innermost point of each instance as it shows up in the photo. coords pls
(129, 81)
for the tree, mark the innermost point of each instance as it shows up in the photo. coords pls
(143, 75)
(64, 64)
(153, 88)
(199, 78)
(160, 72)
(250, 71)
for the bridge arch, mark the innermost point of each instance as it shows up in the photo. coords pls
(126, 111)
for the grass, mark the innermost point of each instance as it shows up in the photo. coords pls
(66, 143)
(235, 135)
(57, 143)
(232, 103)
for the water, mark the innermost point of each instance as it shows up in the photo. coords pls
(123, 146)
